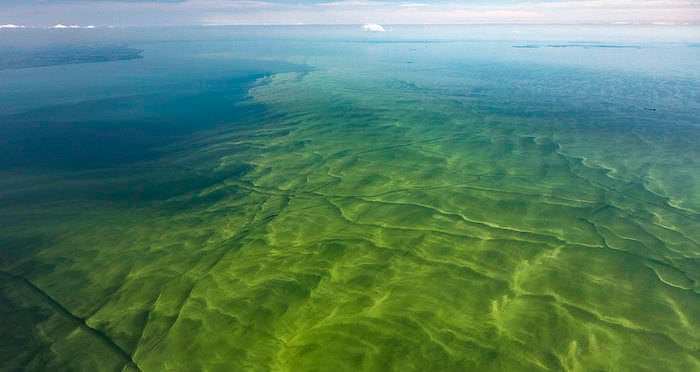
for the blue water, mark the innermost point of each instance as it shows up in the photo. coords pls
(55, 116)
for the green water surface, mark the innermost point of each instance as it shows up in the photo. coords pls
(448, 214)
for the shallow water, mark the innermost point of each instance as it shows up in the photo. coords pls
(314, 198)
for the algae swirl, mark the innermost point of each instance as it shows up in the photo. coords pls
(370, 221)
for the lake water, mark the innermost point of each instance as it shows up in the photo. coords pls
(430, 198)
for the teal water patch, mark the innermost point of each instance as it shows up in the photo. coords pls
(110, 131)
(104, 132)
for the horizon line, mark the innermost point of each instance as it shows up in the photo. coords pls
(91, 26)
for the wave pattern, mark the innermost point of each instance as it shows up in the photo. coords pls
(378, 228)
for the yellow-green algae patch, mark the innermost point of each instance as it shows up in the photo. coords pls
(370, 226)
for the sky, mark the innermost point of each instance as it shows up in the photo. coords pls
(122, 13)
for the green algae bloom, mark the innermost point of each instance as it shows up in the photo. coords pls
(351, 211)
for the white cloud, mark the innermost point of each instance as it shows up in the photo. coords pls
(62, 26)
(350, 3)
(240, 12)
(11, 26)
(373, 27)
(454, 12)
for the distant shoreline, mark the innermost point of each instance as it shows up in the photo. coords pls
(66, 56)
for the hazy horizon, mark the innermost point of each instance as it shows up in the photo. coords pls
(123, 13)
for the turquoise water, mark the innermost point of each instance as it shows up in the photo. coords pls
(316, 198)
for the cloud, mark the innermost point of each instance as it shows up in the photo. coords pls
(11, 26)
(246, 12)
(351, 3)
(463, 12)
(373, 27)
(62, 26)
